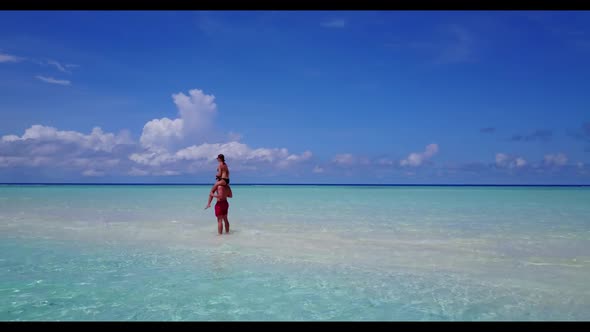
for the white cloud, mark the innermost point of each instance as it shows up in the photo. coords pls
(416, 159)
(159, 133)
(9, 58)
(47, 146)
(304, 156)
(506, 161)
(58, 66)
(501, 159)
(10, 138)
(237, 154)
(240, 152)
(97, 140)
(559, 159)
(161, 150)
(232, 150)
(45, 149)
(53, 80)
(318, 169)
(335, 23)
(63, 68)
(195, 111)
(153, 158)
(520, 162)
(344, 159)
(294, 158)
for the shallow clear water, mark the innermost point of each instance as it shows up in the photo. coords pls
(295, 253)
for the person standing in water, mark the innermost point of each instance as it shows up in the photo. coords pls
(222, 177)
(222, 207)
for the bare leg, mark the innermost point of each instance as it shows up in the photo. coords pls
(219, 225)
(209, 201)
(226, 223)
(213, 189)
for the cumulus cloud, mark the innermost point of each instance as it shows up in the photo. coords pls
(195, 110)
(42, 146)
(416, 158)
(166, 146)
(238, 154)
(158, 134)
(153, 158)
(294, 158)
(97, 140)
(242, 153)
(558, 159)
(501, 159)
(10, 138)
(506, 161)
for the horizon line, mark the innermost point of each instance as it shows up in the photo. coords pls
(298, 184)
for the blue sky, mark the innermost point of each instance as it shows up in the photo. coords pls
(295, 97)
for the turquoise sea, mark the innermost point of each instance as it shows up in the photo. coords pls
(294, 253)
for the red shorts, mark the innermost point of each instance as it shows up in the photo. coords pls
(221, 208)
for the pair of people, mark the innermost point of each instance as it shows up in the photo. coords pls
(222, 191)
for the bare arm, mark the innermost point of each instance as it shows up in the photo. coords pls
(229, 192)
